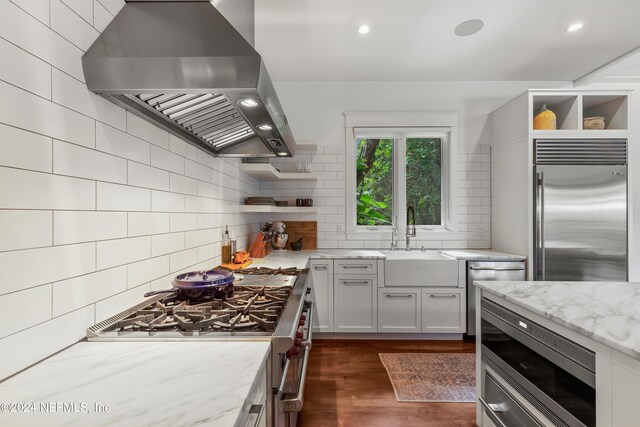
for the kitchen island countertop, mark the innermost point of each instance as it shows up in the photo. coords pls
(607, 312)
(144, 384)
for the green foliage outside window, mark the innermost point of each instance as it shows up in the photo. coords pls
(374, 180)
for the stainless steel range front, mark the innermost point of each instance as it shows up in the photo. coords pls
(266, 305)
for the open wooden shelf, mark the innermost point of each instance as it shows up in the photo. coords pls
(277, 209)
(266, 172)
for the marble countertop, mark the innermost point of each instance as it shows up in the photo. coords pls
(300, 259)
(603, 311)
(482, 254)
(144, 384)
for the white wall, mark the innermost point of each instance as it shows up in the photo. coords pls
(96, 205)
(315, 111)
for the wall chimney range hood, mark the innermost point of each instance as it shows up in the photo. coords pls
(190, 67)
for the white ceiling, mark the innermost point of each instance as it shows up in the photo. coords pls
(413, 40)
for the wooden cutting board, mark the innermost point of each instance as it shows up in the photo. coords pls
(308, 230)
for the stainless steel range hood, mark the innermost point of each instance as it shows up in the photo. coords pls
(183, 66)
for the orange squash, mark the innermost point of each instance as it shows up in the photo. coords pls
(545, 120)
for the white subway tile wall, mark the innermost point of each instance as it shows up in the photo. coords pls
(97, 206)
(329, 196)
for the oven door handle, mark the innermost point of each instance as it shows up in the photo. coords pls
(295, 404)
(497, 421)
(309, 323)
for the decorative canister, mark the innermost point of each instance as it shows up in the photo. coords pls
(545, 120)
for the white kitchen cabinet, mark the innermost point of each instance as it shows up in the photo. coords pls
(355, 303)
(443, 310)
(625, 383)
(322, 294)
(399, 310)
(356, 266)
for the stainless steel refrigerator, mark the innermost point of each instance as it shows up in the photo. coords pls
(580, 203)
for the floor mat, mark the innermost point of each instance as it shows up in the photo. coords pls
(432, 377)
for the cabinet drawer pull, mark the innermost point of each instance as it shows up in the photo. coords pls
(399, 296)
(356, 282)
(355, 266)
(319, 267)
(443, 296)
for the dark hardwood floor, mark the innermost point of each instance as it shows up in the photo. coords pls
(347, 385)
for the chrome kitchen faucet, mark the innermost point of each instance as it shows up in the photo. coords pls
(411, 226)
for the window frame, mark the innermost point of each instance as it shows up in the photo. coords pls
(400, 127)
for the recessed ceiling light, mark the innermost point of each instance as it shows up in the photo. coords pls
(265, 127)
(469, 28)
(575, 27)
(364, 29)
(249, 102)
(282, 153)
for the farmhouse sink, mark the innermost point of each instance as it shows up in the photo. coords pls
(420, 268)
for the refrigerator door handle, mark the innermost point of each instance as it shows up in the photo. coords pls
(539, 226)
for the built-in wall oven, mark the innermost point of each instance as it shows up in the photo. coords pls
(554, 375)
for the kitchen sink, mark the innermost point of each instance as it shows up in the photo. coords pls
(420, 268)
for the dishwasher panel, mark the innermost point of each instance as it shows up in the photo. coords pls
(489, 271)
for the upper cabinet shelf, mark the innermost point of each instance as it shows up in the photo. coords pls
(266, 172)
(572, 107)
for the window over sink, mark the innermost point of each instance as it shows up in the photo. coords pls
(391, 167)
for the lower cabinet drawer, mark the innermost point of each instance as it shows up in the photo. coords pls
(443, 311)
(355, 305)
(399, 310)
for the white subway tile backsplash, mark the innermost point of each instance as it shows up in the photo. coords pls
(198, 171)
(115, 304)
(183, 259)
(28, 347)
(147, 176)
(80, 173)
(184, 222)
(22, 29)
(113, 197)
(112, 253)
(145, 223)
(113, 6)
(101, 16)
(147, 270)
(25, 150)
(147, 131)
(39, 9)
(196, 238)
(183, 148)
(51, 264)
(183, 184)
(84, 226)
(71, 26)
(167, 160)
(73, 94)
(20, 189)
(72, 294)
(162, 201)
(162, 244)
(24, 70)
(83, 8)
(25, 110)
(73, 160)
(24, 309)
(24, 229)
(114, 141)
